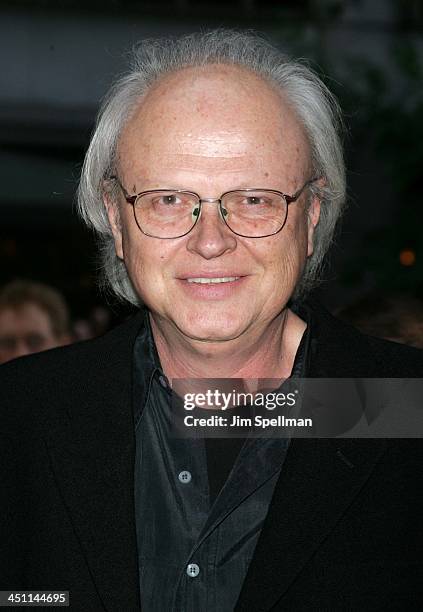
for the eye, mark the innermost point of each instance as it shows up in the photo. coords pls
(7, 343)
(254, 200)
(169, 199)
(34, 341)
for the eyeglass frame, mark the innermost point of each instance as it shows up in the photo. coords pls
(289, 199)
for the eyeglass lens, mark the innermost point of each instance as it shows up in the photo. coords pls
(169, 214)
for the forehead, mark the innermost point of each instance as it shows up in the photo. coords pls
(215, 113)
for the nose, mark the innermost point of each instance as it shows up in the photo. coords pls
(211, 237)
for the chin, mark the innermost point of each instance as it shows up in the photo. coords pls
(206, 329)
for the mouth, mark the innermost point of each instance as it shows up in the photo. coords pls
(212, 286)
(207, 281)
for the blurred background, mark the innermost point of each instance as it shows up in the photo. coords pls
(58, 57)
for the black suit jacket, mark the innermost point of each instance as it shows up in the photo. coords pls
(343, 531)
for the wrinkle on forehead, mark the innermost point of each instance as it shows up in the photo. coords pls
(201, 162)
(213, 117)
(212, 144)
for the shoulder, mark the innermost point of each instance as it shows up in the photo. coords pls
(74, 356)
(342, 350)
(40, 381)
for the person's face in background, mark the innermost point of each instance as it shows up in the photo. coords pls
(26, 329)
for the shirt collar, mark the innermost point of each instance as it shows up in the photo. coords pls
(147, 364)
(301, 366)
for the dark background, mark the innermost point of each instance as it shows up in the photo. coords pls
(58, 57)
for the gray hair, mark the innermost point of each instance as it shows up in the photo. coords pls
(315, 106)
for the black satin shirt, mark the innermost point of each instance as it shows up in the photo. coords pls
(200, 503)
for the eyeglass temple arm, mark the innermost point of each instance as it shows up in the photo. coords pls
(292, 198)
(130, 199)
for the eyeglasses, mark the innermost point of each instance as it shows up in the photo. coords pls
(173, 213)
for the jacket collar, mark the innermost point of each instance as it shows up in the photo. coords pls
(92, 456)
(320, 477)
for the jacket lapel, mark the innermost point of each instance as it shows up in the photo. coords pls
(92, 454)
(319, 480)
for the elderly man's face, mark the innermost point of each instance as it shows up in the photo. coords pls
(210, 131)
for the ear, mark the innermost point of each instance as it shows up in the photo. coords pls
(114, 220)
(313, 216)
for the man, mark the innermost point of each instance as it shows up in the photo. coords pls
(33, 318)
(214, 178)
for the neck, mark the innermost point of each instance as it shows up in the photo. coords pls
(265, 353)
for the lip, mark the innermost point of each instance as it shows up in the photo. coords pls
(208, 274)
(211, 291)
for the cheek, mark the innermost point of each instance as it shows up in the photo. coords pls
(135, 257)
(297, 241)
(283, 265)
(286, 260)
(145, 260)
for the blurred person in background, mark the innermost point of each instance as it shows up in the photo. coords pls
(33, 317)
(96, 323)
(396, 317)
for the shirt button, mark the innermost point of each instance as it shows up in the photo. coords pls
(185, 477)
(193, 570)
(163, 381)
